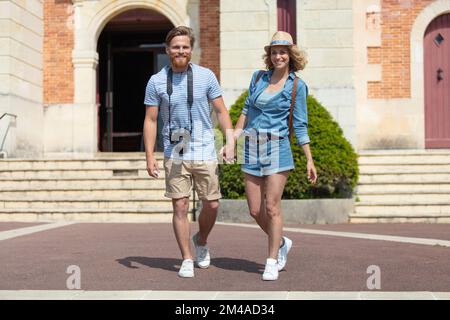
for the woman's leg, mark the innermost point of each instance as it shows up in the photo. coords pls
(254, 189)
(274, 186)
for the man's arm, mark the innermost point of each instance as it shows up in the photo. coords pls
(226, 125)
(150, 126)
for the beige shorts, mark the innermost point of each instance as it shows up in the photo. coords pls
(179, 176)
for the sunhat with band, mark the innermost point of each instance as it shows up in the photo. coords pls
(280, 38)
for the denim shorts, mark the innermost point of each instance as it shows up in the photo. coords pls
(268, 157)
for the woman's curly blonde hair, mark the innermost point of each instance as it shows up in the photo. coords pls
(297, 58)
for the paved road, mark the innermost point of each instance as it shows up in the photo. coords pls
(120, 256)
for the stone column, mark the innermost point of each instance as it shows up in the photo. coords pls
(85, 120)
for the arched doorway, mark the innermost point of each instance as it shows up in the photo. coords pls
(437, 82)
(131, 49)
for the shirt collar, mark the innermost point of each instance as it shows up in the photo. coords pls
(270, 72)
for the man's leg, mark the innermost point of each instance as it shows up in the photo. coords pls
(181, 226)
(206, 220)
(206, 181)
(178, 186)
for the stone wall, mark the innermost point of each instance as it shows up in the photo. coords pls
(21, 49)
(325, 32)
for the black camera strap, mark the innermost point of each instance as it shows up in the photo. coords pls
(190, 91)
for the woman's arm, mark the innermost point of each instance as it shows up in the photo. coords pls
(300, 124)
(239, 126)
(300, 114)
(310, 168)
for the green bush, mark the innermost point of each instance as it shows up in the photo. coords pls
(334, 158)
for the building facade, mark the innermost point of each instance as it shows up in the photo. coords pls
(73, 72)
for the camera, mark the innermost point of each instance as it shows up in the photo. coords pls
(181, 138)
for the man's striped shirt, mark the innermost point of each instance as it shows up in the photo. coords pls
(205, 88)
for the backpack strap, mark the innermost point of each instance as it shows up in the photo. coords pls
(259, 75)
(291, 111)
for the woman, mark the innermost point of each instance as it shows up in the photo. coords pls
(265, 122)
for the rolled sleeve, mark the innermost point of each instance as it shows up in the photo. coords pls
(300, 115)
(246, 105)
(251, 88)
(151, 95)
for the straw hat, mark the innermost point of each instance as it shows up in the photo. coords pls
(280, 38)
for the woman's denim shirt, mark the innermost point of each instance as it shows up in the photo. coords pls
(275, 114)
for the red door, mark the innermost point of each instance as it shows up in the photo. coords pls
(437, 83)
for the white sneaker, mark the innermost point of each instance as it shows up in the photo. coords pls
(271, 270)
(187, 269)
(283, 252)
(201, 253)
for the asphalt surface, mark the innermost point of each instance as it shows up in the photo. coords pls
(5, 226)
(122, 256)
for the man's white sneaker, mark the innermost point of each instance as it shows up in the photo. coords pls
(271, 270)
(283, 253)
(201, 253)
(187, 269)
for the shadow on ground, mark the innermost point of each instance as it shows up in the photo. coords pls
(171, 264)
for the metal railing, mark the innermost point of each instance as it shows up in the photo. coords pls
(3, 153)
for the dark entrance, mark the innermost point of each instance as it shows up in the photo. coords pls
(131, 49)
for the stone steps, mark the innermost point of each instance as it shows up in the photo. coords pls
(74, 174)
(111, 187)
(118, 194)
(88, 215)
(159, 204)
(84, 184)
(403, 186)
(413, 178)
(413, 168)
(404, 198)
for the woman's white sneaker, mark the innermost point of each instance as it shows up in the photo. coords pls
(271, 270)
(283, 253)
(186, 269)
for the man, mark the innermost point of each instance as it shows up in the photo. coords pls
(183, 92)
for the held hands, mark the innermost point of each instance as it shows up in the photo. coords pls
(227, 153)
(152, 167)
(311, 172)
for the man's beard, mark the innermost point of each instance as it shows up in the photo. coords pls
(180, 64)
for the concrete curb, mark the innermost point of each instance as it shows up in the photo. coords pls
(317, 211)
(219, 295)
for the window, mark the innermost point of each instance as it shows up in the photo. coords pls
(287, 13)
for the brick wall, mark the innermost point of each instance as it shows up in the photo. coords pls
(59, 42)
(374, 55)
(210, 35)
(397, 18)
(58, 45)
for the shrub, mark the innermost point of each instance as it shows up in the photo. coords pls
(334, 159)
